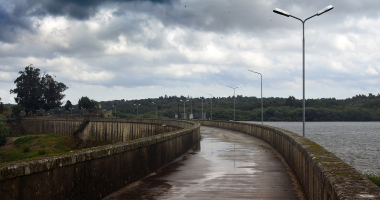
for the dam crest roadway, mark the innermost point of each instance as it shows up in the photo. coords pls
(224, 165)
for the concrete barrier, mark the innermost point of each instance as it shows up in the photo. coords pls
(96, 172)
(321, 174)
(110, 130)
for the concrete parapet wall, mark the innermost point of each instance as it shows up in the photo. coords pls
(45, 126)
(321, 174)
(96, 172)
(110, 130)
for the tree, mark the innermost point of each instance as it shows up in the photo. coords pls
(52, 92)
(84, 102)
(87, 103)
(35, 91)
(16, 111)
(68, 105)
(28, 88)
(290, 101)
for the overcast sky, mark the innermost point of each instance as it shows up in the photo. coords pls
(119, 49)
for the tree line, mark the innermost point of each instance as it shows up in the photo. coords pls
(357, 108)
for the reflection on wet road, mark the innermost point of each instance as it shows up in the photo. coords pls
(225, 165)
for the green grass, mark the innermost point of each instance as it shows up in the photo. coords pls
(34, 146)
(374, 178)
(24, 140)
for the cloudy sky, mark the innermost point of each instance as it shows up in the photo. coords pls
(119, 49)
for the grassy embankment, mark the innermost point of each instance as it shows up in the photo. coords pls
(40, 145)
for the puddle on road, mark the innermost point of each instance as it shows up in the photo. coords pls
(213, 167)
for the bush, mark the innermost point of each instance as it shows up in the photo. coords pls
(4, 132)
(42, 152)
(26, 149)
(375, 179)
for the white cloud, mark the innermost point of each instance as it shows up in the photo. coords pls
(4, 76)
(371, 71)
(343, 43)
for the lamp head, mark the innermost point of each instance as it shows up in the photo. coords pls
(326, 9)
(281, 12)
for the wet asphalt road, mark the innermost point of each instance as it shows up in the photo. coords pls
(225, 165)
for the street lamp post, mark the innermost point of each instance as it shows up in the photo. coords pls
(191, 106)
(211, 103)
(281, 12)
(137, 109)
(184, 108)
(234, 96)
(262, 116)
(156, 108)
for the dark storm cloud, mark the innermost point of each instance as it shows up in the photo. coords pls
(17, 18)
(11, 23)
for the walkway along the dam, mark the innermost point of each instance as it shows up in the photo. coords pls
(225, 165)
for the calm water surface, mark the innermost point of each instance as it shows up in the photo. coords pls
(357, 143)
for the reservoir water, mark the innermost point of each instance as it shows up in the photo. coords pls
(357, 143)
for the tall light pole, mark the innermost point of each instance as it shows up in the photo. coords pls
(184, 108)
(211, 103)
(191, 106)
(262, 116)
(137, 109)
(156, 108)
(234, 88)
(281, 12)
(71, 109)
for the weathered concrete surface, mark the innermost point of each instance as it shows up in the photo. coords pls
(321, 174)
(96, 172)
(118, 130)
(226, 165)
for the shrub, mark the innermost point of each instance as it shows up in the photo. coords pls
(42, 152)
(375, 179)
(26, 149)
(4, 133)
